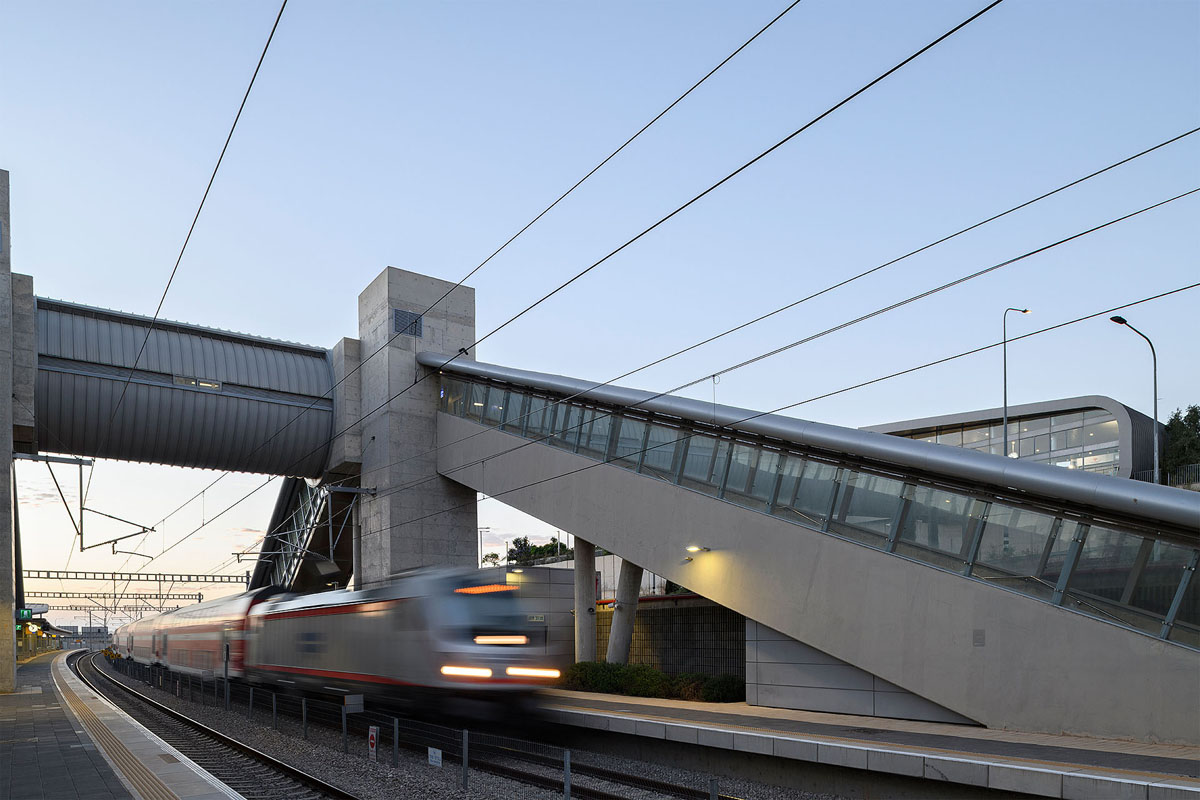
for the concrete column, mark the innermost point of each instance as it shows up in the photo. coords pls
(585, 600)
(8, 640)
(415, 517)
(620, 635)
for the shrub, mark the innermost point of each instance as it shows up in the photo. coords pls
(724, 689)
(642, 680)
(688, 686)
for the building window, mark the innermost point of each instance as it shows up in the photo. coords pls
(407, 323)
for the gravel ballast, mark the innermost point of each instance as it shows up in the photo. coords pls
(413, 777)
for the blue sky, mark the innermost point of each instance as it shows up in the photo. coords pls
(423, 135)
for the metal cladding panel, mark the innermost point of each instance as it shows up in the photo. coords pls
(271, 413)
(98, 336)
(1135, 499)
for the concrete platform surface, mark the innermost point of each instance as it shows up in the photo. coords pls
(1066, 767)
(60, 740)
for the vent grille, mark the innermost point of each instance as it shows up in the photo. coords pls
(407, 323)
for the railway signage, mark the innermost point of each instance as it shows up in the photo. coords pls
(372, 742)
(435, 757)
(537, 617)
(353, 703)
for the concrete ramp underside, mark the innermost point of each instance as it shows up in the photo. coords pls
(997, 657)
(197, 398)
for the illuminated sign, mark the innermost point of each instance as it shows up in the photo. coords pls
(24, 614)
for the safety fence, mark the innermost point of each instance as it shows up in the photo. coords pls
(372, 732)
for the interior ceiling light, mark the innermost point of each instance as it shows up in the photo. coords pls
(695, 548)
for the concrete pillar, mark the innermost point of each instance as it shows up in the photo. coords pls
(620, 635)
(585, 600)
(415, 517)
(8, 639)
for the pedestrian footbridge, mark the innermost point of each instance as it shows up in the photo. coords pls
(1012, 594)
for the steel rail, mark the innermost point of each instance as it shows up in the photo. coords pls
(298, 775)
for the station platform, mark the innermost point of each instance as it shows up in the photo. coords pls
(1045, 765)
(60, 741)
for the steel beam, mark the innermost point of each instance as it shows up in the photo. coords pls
(150, 577)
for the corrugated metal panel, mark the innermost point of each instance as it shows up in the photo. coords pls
(85, 356)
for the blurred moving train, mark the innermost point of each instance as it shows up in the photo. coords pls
(433, 632)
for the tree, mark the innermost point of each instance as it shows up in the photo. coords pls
(523, 554)
(1183, 439)
(491, 560)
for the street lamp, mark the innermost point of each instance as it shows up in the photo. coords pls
(1004, 349)
(1154, 361)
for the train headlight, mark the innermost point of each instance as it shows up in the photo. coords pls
(531, 672)
(466, 672)
(502, 639)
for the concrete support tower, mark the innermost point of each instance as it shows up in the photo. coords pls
(585, 600)
(415, 517)
(620, 635)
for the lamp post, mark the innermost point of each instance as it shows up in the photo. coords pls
(1154, 362)
(1004, 350)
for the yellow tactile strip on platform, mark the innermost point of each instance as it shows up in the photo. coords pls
(145, 782)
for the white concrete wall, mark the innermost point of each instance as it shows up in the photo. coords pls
(784, 673)
(993, 656)
(548, 594)
(397, 442)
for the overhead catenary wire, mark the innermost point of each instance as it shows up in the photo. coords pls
(512, 238)
(789, 406)
(186, 240)
(678, 210)
(841, 326)
(826, 290)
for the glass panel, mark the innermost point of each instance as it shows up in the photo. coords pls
(814, 496)
(1015, 542)
(1034, 425)
(1066, 421)
(1187, 622)
(951, 437)
(493, 411)
(741, 464)
(1026, 448)
(938, 526)
(537, 423)
(627, 451)
(1159, 578)
(866, 507)
(925, 437)
(659, 459)
(594, 439)
(1105, 562)
(789, 483)
(704, 466)
(514, 412)
(755, 490)
(475, 401)
(1099, 433)
(1041, 444)
(1071, 437)
(979, 433)
(567, 419)
(453, 396)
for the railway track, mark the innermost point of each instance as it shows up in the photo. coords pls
(523, 767)
(249, 772)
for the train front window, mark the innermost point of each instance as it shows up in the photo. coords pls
(485, 610)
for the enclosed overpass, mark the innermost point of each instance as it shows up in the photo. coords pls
(1017, 595)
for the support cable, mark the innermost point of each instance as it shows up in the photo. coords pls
(187, 239)
(762, 155)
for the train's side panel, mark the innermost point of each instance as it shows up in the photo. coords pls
(382, 642)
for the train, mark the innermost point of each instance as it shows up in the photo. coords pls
(430, 636)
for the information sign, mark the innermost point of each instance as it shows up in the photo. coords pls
(353, 703)
(372, 742)
(435, 757)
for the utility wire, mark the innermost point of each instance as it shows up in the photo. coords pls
(776, 351)
(797, 343)
(514, 237)
(187, 239)
(672, 214)
(798, 403)
(816, 294)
